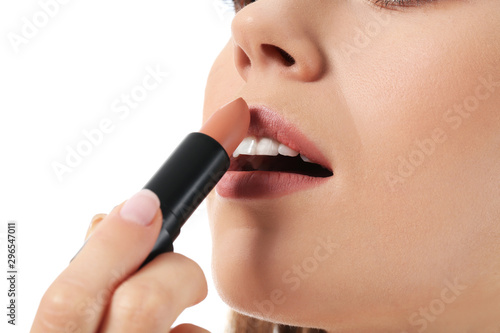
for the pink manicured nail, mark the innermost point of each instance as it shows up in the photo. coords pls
(141, 207)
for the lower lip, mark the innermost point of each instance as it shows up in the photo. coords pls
(264, 184)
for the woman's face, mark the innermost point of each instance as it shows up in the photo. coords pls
(402, 104)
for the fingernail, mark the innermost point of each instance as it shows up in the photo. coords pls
(141, 207)
(94, 223)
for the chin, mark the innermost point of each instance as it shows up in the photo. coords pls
(253, 266)
(247, 267)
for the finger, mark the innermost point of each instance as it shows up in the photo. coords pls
(152, 299)
(76, 300)
(188, 328)
(94, 223)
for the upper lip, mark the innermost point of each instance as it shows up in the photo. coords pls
(264, 122)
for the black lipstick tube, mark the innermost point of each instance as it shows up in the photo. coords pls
(183, 182)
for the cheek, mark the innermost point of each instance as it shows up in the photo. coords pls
(418, 84)
(428, 127)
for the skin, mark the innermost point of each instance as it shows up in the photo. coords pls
(409, 249)
(102, 289)
(400, 236)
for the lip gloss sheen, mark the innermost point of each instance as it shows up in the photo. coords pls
(194, 168)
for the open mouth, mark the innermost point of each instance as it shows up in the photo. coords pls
(265, 154)
(274, 160)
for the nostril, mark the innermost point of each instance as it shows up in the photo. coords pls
(272, 50)
(289, 61)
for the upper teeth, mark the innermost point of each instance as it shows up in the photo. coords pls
(265, 146)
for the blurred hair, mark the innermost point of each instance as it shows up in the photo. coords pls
(239, 323)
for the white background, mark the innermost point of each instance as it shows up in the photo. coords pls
(63, 80)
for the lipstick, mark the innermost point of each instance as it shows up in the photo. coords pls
(194, 168)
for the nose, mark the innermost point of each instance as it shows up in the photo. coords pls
(274, 36)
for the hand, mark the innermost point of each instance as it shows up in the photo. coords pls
(101, 289)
